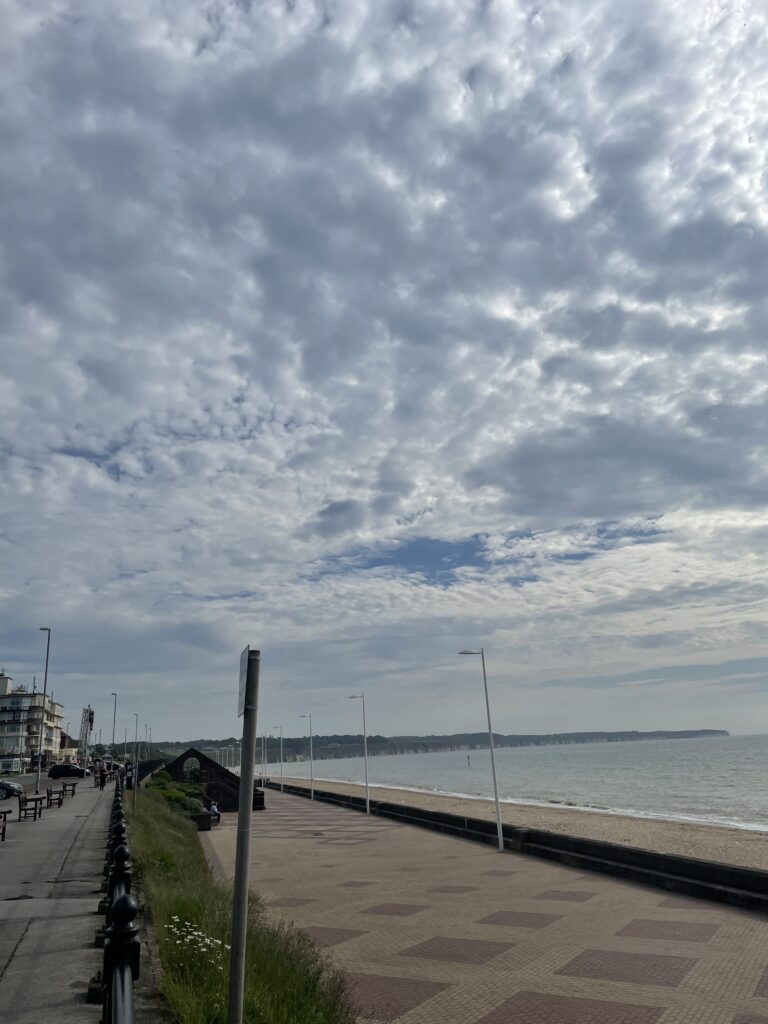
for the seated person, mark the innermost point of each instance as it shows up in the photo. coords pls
(215, 813)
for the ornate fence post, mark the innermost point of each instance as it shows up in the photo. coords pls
(122, 951)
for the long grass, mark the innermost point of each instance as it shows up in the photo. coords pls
(287, 980)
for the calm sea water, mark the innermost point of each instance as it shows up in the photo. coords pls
(720, 780)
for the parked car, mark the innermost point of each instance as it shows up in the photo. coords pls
(67, 771)
(9, 789)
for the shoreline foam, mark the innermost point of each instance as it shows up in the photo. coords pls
(735, 844)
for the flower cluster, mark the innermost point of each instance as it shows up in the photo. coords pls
(196, 944)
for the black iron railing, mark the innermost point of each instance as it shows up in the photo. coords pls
(113, 985)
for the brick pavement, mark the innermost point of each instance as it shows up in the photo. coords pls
(433, 929)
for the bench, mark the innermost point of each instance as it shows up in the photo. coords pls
(54, 796)
(30, 805)
(69, 787)
(3, 816)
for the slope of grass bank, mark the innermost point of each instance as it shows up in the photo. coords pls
(287, 980)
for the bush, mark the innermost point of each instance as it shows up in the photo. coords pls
(287, 980)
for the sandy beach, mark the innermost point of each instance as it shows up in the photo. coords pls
(706, 842)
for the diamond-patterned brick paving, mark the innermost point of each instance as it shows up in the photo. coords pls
(539, 1008)
(684, 931)
(565, 895)
(331, 936)
(457, 951)
(680, 902)
(385, 998)
(306, 845)
(288, 901)
(395, 909)
(454, 888)
(519, 919)
(638, 968)
(762, 985)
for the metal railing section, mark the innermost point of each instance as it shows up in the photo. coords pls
(112, 986)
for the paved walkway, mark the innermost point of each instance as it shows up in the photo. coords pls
(438, 930)
(50, 877)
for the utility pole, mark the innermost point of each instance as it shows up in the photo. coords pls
(43, 629)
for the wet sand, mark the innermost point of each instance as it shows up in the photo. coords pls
(705, 842)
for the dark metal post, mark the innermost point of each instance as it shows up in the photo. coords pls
(248, 708)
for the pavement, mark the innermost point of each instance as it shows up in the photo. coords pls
(434, 929)
(50, 876)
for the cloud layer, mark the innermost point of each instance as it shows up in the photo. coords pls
(363, 331)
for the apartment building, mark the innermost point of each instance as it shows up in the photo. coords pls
(22, 715)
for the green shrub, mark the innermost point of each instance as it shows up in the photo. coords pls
(160, 780)
(287, 980)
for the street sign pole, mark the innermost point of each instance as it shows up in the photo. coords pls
(248, 701)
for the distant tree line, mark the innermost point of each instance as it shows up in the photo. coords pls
(346, 745)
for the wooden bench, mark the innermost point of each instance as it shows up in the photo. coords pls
(54, 796)
(3, 816)
(30, 805)
(69, 787)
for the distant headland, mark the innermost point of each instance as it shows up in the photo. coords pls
(297, 749)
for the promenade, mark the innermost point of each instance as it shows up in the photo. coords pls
(50, 876)
(438, 930)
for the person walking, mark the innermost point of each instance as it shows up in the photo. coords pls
(102, 775)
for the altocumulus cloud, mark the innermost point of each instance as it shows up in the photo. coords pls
(366, 330)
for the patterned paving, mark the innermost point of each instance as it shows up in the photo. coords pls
(437, 930)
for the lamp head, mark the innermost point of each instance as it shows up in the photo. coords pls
(45, 629)
(469, 652)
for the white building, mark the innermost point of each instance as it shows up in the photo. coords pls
(22, 715)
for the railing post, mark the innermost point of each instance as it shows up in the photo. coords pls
(122, 953)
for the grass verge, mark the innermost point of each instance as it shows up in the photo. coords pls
(287, 980)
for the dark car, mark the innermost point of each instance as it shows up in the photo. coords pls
(9, 789)
(67, 771)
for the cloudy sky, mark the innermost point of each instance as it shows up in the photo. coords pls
(363, 331)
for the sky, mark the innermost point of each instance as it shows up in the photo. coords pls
(366, 331)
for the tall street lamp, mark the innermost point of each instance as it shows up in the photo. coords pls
(499, 830)
(281, 754)
(43, 629)
(311, 760)
(114, 719)
(135, 758)
(361, 696)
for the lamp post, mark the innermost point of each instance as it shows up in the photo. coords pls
(311, 760)
(361, 696)
(125, 745)
(281, 754)
(114, 719)
(43, 629)
(135, 759)
(499, 830)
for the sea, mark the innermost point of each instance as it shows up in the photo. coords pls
(720, 780)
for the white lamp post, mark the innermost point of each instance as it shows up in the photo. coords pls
(281, 754)
(361, 696)
(311, 760)
(499, 830)
(114, 719)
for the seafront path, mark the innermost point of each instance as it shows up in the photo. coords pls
(50, 876)
(434, 929)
